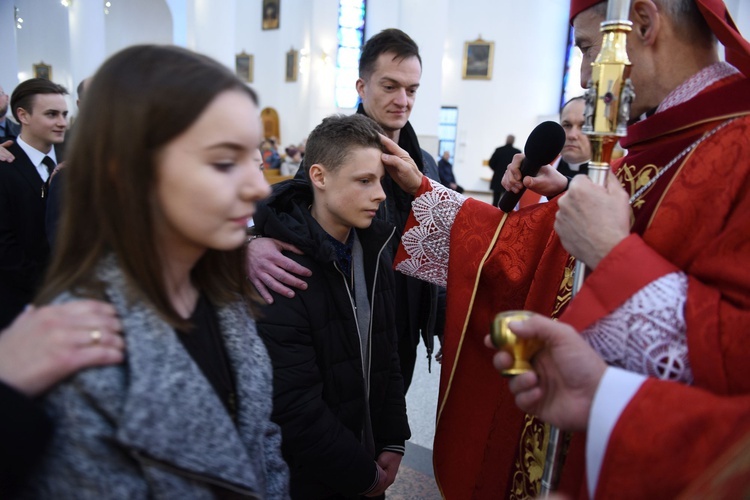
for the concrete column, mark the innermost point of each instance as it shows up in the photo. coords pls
(9, 68)
(87, 39)
(178, 9)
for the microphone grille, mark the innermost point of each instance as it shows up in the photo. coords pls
(544, 143)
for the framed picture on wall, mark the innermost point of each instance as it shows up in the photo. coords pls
(478, 56)
(291, 65)
(42, 70)
(243, 66)
(271, 9)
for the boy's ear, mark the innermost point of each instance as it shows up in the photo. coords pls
(23, 116)
(318, 175)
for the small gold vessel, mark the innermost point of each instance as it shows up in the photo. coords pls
(504, 339)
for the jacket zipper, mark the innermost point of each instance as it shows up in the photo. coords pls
(146, 460)
(353, 303)
(372, 299)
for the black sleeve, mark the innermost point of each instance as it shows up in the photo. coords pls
(25, 431)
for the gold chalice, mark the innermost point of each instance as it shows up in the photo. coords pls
(503, 338)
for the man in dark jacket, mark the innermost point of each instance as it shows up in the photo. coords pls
(338, 391)
(389, 72)
(499, 162)
(445, 169)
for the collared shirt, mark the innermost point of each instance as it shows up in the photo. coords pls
(343, 253)
(36, 157)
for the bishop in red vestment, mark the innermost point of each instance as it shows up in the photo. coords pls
(682, 277)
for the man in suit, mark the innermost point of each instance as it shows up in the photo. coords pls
(499, 161)
(40, 107)
(8, 129)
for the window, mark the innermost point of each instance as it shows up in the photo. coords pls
(351, 36)
(447, 130)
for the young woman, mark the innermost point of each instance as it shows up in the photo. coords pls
(160, 186)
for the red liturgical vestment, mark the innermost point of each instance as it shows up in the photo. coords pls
(694, 218)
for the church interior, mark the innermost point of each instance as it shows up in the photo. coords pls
(489, 69)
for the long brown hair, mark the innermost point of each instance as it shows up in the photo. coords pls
(139, 100)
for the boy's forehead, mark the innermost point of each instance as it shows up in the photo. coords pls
(362, 158)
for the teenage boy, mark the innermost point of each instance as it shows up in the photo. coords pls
(39, 106)
(338, 390)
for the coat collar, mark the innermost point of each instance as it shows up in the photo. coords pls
(169, 412)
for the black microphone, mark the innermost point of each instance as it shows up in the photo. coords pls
(543, 145)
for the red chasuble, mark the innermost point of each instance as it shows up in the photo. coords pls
(702, 450)
(695, 218)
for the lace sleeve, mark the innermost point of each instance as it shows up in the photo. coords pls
(648, 334)
(427, 243)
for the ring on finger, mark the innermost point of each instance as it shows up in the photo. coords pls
(96, 337)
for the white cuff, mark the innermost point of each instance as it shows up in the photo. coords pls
(615, 391)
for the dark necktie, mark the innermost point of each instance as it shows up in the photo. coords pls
(50, 164)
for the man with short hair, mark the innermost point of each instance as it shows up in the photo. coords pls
(576, 153)
(390, 70)
(668, 294)
(499, 161)
(445, 169)
(39, 106)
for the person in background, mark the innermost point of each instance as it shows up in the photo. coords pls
(499, 161)
(39, 106)
(576, 153)
(166, 212)
(445, 169)
(292, 162)
(9, 130)
(271, 157)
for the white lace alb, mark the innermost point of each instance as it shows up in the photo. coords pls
(648, 334)
(428, 243)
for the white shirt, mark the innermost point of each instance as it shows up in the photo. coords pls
(615, 391)
(36, 157)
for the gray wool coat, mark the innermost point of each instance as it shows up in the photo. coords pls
(153, 427)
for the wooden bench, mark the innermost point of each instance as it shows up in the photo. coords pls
(272, 176)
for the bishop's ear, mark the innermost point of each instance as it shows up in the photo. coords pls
(647, 20)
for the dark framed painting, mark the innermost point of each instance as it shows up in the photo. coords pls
(271, 10)
(42, 70)
(292, 58)
(243, 67)
(478, 56)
